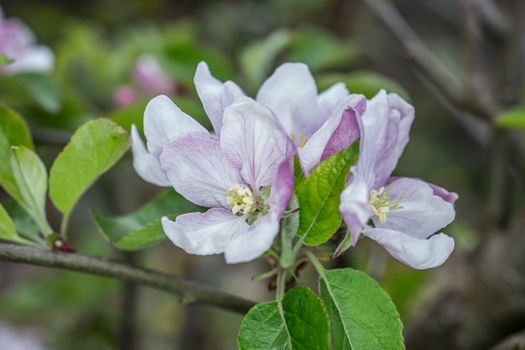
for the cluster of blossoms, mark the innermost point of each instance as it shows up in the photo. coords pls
(17, 43)
(243, 169)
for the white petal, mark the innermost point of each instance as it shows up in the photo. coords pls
(417, 253)
(248, 245)
(32, 59)
(254, 141)
(146, 164)
(354, 207)
(422, 214)
(204, 233)
(214, 95)
(332, 97)
(290, 92)
(384, 135)
(164, 121)
(199, 170)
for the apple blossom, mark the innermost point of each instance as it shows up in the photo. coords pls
(406, 213)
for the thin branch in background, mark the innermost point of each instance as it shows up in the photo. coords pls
(454, 89)
(187, 291)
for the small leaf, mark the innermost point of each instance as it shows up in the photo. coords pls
(513, 118)
(363, 82)
(361, 313)
(344, 245)
(13, 132)
(7, 226)
(299, 322)
(94, 148)
(4, 60)
(142, 228)
(290, 224)
(43, 89)
(319, 196)
(25, 224)
(31, 179)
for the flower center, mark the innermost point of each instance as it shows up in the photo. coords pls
(382, 204)
(244, 202)
(299, 141)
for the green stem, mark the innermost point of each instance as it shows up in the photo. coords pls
(186, 291)
(317, 264)
(281, 285)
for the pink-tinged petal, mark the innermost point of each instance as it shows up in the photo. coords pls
(214, 95)
(422, 214)
(331, 98)
(354, 207)
(164, 121)
(150, 76)
(417, 253)
(248, 245)
(336, 134)
(384, 134)
(290, 92)
(252, 140)
(204, 233)
(199, 170)
(282, 188)
(446, 195)
(145, 164)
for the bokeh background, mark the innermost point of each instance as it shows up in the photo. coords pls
(475, 301)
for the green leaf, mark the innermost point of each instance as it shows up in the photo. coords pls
(31, 179)
(25, 224)
(513, 118)
(94, 148)
(320, 50)
(142, 228)
(7, 226)
(299, 322)
(361, 314)
(13, 132)
(43, 89)
(363, 82)
(319, 194)
(259, 57)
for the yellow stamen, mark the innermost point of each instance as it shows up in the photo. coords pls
(381, 203)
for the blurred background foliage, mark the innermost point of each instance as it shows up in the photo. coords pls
(97, 44)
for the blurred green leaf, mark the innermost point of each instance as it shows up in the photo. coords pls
(181, 59)
(319, 196)
(513, 118)
(13, 132)
(4, 60)
(320, 50)
(44, 90)
(31, 179)
(259, 57)
(298, 322)
(94, 148)
(363, 82)
(362, 314)
(142, 228)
